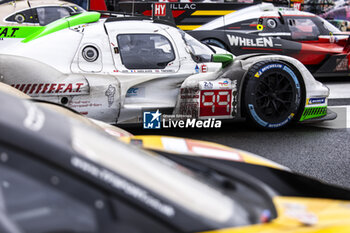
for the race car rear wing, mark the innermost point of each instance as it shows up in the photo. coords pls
(160, 12)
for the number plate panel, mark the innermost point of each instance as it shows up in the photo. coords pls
(215, 103)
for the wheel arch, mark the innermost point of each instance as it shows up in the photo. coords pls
(244, 80)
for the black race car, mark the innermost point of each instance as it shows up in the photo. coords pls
(58, 174)
(263, 28)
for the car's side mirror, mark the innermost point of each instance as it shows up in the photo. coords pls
(225, 59)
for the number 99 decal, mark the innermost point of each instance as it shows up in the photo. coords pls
(215, 103)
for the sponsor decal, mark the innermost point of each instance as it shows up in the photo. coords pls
(123, 186)
(110, 92)
(180, 145)
(204, 68)
(264, 123)
(147, 71)
(132, 92)
(317, 101)
(297, 5)
(18, 32)
(83, 104)
(224, 83)
(258, 42)
(342, 64)
(151, 120)
(155, 120)
(50, 88)
(265, 68)
(234, 98)
(189, 103)
(136, 92)
(189, 107)
(299, 212)
(188, 93)
(196, 69)
(159, 9)
(208, 85)
(179, 6)
(8, 32)
(217, 84)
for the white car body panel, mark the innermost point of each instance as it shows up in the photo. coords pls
(110, 91)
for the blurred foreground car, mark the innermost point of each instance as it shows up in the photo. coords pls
(58, 174)
(158, 144)
(116, 69)
(263, 28)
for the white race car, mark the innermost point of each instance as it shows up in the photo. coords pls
(117, 69)
(21, 18)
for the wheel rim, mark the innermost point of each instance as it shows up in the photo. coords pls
(275, 96)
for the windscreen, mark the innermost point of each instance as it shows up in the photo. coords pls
(199, 51)
(329, 26)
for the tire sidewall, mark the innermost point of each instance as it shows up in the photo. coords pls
(258, 71)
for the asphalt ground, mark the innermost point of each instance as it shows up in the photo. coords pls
(320, 150)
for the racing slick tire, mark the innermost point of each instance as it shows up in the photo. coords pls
(274, 94)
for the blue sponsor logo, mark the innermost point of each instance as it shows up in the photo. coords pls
(317, 100)
(152, 120)
(132, 92)
(136, 92)
(196, 69)
(208, 85)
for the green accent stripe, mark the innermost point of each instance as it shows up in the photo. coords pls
(313, 112)
(18, 32)
(83, 18)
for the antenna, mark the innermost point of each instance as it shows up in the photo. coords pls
(29, 4)
(152, 10)
(133, 7)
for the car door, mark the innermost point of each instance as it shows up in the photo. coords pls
(146, 64)
(145, 52)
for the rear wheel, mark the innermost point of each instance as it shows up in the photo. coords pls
(273, 94)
